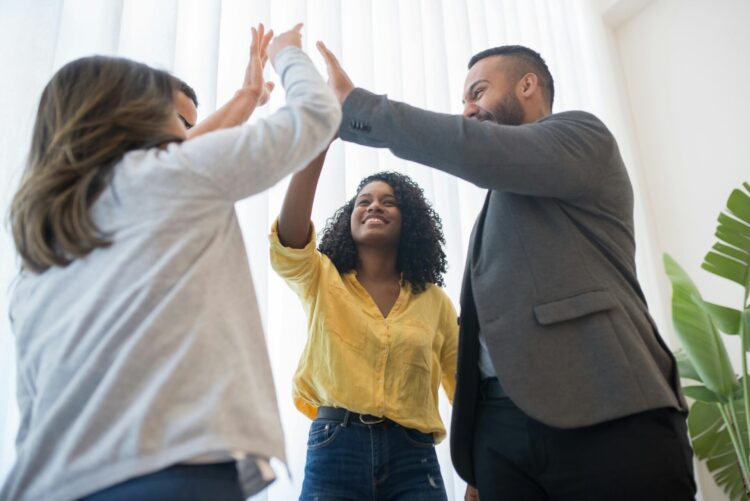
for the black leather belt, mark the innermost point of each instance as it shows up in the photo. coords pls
(345, 417)
(490, 389)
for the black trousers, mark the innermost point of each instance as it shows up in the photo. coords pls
(643, 457)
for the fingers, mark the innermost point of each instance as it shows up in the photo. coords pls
(254, 41)
(291, 38)
(261, 37)
(267, 39)
(322, 49)
(327, 55)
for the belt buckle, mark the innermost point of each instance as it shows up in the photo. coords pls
(362, 420)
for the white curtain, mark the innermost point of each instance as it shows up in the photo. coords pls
(415, 51)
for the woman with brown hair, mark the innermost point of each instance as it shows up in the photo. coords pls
(142, 366)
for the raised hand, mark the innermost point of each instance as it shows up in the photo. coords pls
(255, 90)
(291, 38)
(338, 80)
(254, 81)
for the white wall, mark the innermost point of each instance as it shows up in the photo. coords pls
(686, 67)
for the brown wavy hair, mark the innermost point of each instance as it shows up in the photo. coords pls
(93, 111)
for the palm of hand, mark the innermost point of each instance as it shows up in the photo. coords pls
(258, 57)
(338, 80)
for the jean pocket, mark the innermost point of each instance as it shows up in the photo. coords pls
(322, 433)
(417, 438)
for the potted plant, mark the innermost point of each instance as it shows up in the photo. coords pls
(719, 418)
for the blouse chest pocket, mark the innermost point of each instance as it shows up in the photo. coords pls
(343, 318)
(352, 334)
(413, 341)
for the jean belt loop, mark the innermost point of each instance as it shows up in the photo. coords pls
(345, 422)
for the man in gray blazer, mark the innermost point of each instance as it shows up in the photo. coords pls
(565, 389)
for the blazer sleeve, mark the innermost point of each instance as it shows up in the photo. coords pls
(559, 156)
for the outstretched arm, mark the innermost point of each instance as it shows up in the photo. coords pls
(294, 219)
(253, 93)
(561, 156)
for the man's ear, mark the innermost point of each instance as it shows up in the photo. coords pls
(529, 84)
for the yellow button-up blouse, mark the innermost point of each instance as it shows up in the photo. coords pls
(357, 359)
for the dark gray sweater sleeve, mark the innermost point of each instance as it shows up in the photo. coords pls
(559, 156)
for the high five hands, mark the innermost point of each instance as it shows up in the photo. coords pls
(255, 91)
(265, 46)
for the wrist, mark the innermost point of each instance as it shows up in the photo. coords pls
(278, 54)
(344, 93)
(248, 93)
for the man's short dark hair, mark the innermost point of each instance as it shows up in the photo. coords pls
(529, 61)
(188, 91)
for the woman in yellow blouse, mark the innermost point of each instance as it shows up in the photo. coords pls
(382, 336)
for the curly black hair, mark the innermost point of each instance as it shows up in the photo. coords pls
(421, 258)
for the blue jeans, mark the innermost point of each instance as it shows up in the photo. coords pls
(375, 462)
(182, 482)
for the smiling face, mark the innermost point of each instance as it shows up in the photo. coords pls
(490, 93)
(376, 217)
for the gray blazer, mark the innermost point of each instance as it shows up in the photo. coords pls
(550, 276)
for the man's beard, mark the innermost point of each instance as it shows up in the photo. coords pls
(507, 112)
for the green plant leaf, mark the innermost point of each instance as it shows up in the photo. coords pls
(732, 252)
(698, 335)
(727, 320)
(701, 393)
(730, 256)
(739, 203)
(696, 322)
(711, 443)
(732, 226)
(685, 366)
(725, 267)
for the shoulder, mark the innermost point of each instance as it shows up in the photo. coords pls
(154, 168)
(580, 132)
(439, 297)
(582, 120)
(573, 116)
